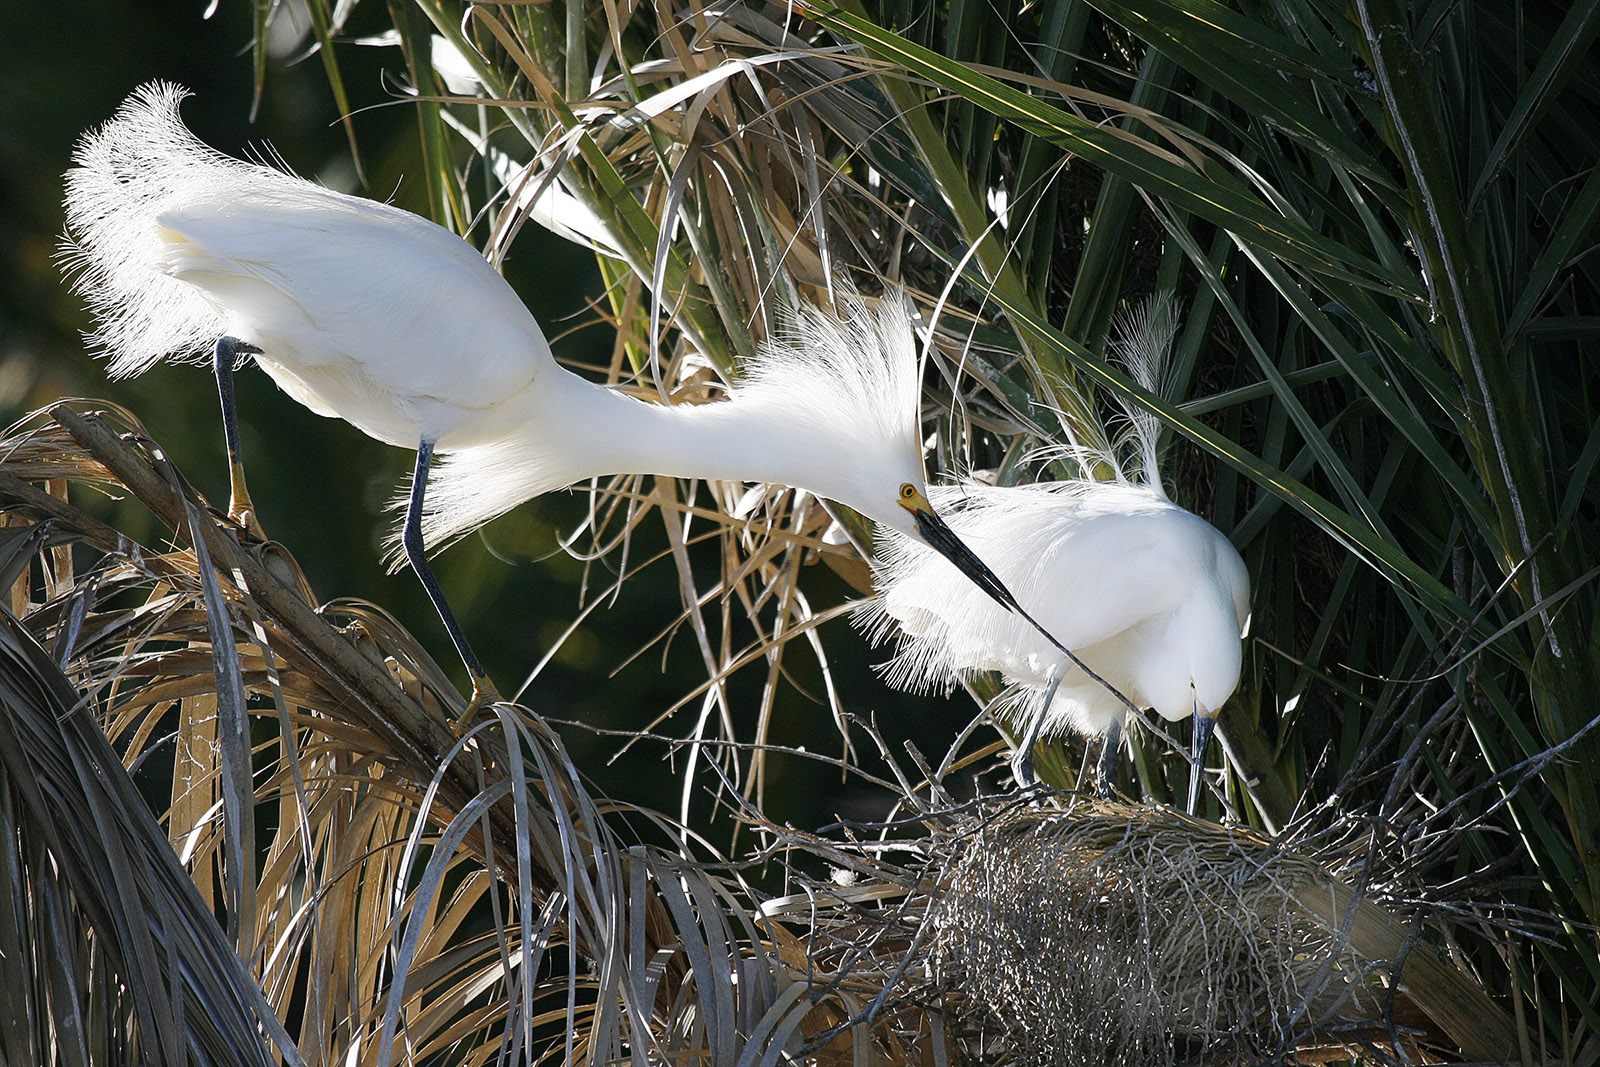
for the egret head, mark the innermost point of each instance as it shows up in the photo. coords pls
(835, 397)
(1214, 620)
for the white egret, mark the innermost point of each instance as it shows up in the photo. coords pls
(368, 313)
(1149, 597)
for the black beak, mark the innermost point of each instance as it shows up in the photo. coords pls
(1205, 721)
(937, 533)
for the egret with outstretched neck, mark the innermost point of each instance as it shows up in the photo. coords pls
(1151, 599)
(371, 314)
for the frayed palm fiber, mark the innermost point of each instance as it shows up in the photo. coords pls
(1111, 935)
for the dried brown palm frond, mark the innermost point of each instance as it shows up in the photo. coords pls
(107, 952)
(382, 884)
(472, 901)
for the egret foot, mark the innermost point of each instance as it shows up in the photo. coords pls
(245, 518)
(484, 695)
(241, 509)
(229, 353)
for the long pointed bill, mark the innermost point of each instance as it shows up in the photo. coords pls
(938, 536)
(937, 533)
(1204, 722)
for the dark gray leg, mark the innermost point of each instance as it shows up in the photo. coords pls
(483, 690)
(1022, 756)
(1105, 779)
(225, 359)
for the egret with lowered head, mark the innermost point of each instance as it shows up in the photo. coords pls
(371, 314)
(1151, 599)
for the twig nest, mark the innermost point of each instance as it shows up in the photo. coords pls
(1117, 935)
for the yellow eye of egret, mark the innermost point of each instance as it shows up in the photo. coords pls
(912, 500)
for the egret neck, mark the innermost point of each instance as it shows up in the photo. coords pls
(750, 437)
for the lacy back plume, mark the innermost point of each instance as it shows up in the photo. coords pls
(856, 368)
(127, 172)
(1142, 338)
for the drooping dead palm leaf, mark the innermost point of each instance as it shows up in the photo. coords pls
(110, 953)
(418, 893)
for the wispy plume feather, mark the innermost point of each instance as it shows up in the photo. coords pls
(126, 172)
(1142, 338)
(859, 361)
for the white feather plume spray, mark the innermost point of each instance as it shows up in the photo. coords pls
(127, 172)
